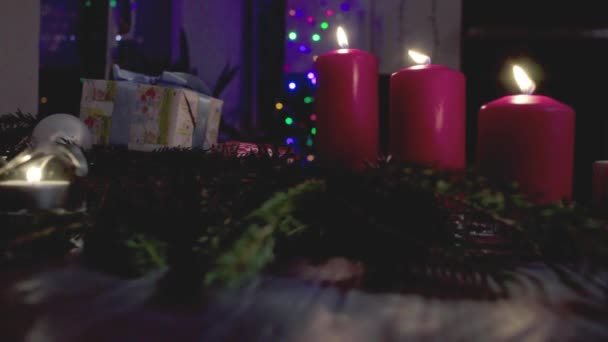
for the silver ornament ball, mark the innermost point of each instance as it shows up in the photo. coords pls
(63, 126)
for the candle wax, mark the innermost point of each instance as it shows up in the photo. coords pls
(427, 116)
(347, 108)
(528, 139)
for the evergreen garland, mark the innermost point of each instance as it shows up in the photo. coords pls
(218, 220)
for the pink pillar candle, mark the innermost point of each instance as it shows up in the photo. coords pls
(347, 108)
(528, 139)
(427, 116)
(599, 184)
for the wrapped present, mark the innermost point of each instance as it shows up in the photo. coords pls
(146, 113)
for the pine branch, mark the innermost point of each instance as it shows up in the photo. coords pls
(226, 76)
(255, 248)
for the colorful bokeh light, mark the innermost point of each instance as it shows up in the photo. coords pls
(292, 35)
(288, 121)
(324, 25)
(304, 49)
(316, 37)
(279, 106)
(308, 100)
(313, 131)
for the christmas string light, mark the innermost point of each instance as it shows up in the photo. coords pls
(304, 42)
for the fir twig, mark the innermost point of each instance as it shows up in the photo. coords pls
(254, 249)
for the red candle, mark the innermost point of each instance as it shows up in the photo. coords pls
(528, 139)
(347, 107)
(600, 184)
(427, 115)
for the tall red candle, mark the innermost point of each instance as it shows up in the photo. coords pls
(528, 139)
(427, 115)
(347, 107)
(599, 184)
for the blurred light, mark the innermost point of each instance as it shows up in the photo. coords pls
(288, 121)
(419, 58)
(342, 38)
(304, 48)
(286, 67)
(345, 6)
(314, 81)
(329, 12)
(324, 25)
(33, 174)
(88, 3)
(292, 13)
(309, 142)
(310, 20)
(313, 131)
(289, 141)
(314, 58)
(310, 75)
(313, 117)
(308, 99)
(310, 158)
(279, 106)
(292, 35)
(299, 13)
(44, 100)
(118, 38)
(72, 37)
(525, 83)
(292, 85)
(112, 3)
(316, 37)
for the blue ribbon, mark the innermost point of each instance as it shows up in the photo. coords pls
(166, 79)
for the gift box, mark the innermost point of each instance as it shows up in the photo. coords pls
(146, 113)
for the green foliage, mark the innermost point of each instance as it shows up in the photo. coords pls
(227, 219)
(254, 249)
(149, 254)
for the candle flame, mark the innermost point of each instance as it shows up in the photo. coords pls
(342, 38)
(524, 82)
(33, 174)
(419, 58)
